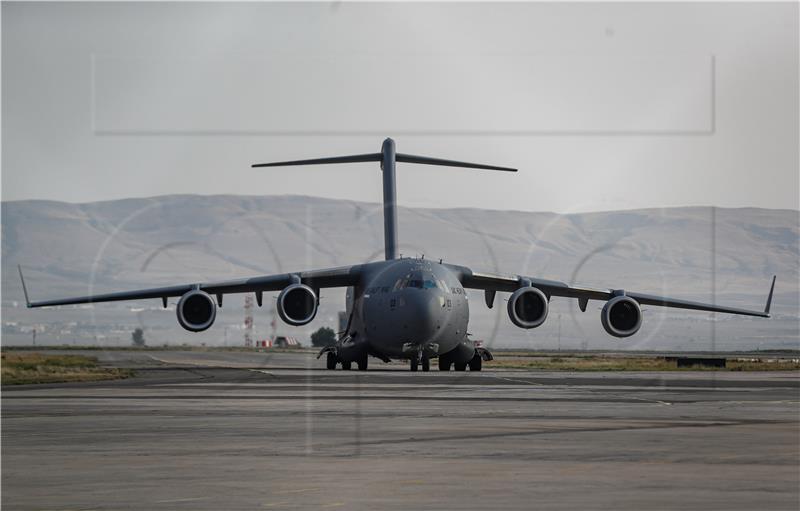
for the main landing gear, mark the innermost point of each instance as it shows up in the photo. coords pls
(332, 360)
(474, 364)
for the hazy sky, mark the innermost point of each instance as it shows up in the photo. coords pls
(600, 106)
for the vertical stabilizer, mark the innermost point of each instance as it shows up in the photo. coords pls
(389, 199)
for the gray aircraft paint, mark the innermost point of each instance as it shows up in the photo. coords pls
(391, 320)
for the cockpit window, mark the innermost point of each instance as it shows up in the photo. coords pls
(420, 281)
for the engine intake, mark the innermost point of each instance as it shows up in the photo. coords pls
(622, 316)
(196, 311)
(528, 307)
(297, 304)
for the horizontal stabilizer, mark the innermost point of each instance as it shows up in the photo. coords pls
(400, 157)
(425, 160)
(356, 158)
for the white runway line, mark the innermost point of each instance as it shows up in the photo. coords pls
(514, 380)
(420, 386)
(191, 499)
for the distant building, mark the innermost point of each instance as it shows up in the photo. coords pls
(279, 341)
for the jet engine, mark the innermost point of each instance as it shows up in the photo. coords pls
(196, 311)
(297, 304)
(528, 307)
(622, 316)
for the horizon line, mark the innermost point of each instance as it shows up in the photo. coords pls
(399, 203)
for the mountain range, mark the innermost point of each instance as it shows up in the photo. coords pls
(700, 253)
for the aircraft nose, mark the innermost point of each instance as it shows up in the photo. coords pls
(427, 309)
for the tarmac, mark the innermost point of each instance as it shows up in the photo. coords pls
(233, 430)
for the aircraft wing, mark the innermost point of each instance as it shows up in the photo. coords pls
(492, 282)
(332, 277)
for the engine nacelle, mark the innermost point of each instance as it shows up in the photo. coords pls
(196, 311)
(297, 304)
(528, 307)
(622, 316)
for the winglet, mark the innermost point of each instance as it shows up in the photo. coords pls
(769, 298)
(24, 289)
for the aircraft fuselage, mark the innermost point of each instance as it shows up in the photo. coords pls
(405, 307)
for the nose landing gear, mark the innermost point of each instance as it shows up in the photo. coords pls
(422, 360)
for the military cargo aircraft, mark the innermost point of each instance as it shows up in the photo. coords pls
(403, 308)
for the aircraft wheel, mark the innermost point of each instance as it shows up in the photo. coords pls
(330, 362)
(362, 364)
(346, 366)
(426, 364)
(444, 364)
(476, 363)
(461, 367)
(414, 364)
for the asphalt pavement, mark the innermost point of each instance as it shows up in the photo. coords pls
(233, 430)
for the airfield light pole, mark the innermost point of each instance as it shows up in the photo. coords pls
(248, 320)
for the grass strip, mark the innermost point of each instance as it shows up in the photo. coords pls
(25, 368)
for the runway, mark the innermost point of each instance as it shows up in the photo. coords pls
(230, 430)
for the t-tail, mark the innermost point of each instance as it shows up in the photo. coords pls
(388, 157)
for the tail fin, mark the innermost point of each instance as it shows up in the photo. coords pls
(388, 157)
